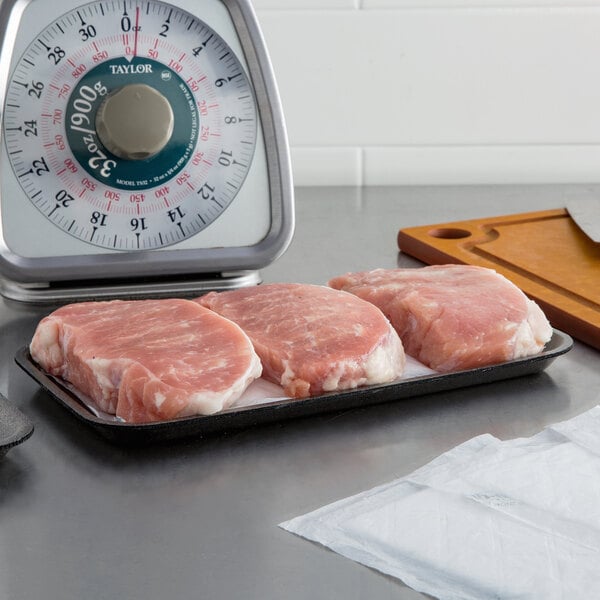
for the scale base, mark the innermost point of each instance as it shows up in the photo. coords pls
(132, 289)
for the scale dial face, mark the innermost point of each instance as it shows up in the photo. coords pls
(130, 125)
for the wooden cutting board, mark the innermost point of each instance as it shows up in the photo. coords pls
(543, 253)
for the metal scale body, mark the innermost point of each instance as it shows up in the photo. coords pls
(143, 149)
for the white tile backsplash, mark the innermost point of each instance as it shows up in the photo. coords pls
(326, 165)
(431, 165)
(305, 4)
(484, 4)
(461, 91)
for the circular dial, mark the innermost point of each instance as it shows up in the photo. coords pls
(130, 125)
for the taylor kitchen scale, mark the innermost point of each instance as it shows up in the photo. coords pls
(144, 150)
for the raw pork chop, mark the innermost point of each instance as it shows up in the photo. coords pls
(453, 317)
(312, 339)
(147, 360)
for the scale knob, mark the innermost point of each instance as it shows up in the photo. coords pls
(135, 122)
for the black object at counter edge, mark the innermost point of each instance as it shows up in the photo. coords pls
(15, 427)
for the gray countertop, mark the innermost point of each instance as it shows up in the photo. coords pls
(197, 518)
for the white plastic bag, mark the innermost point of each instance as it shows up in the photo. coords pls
(488, 519)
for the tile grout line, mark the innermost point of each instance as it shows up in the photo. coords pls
(362, 5)
(361, 165)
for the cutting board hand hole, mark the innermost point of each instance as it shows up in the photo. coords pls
(449, 233)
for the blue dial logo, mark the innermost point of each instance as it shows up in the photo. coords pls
(87, 97)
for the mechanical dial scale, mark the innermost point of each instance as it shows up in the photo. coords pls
(143, 151)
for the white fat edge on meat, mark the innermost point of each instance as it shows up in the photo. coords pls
(332, 382)
(210, 402)
(540, 326)
(108, 372)
(533, 333)
(523, 341)
(288, 374)
(45, 345)
(388, 360)
(384, 364)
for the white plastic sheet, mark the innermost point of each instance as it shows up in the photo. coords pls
(486, 520)
(261, 391)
